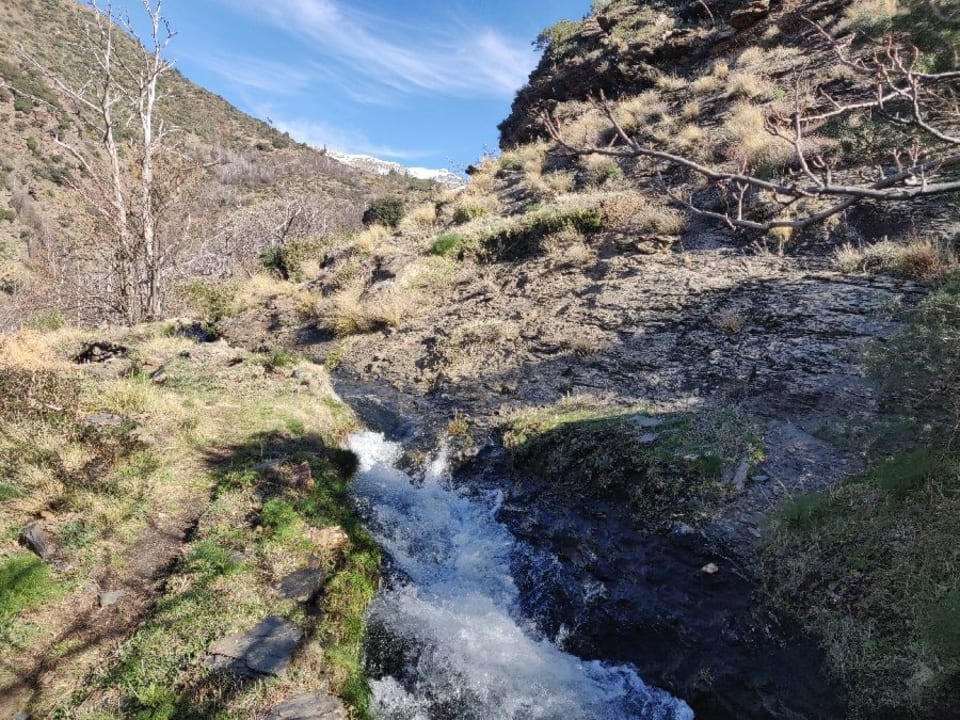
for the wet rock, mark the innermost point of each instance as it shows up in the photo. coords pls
(266, 649)
(302, 585)
(710, 569)
(312, 706)
(35, 539)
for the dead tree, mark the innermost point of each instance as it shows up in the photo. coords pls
(890, 86)
(133, 173)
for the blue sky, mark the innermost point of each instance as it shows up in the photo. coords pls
(422, 82)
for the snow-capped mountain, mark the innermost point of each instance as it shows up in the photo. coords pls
(383, 167)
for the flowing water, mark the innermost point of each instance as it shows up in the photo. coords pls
(448, 636)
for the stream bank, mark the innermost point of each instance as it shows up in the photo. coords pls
(778, 339)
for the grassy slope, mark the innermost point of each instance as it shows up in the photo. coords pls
(872, 565)
(177, 507)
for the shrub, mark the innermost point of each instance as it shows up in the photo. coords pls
(385, 211)
(465, 213)
(557, 40)
(447, 245)
(212, 301)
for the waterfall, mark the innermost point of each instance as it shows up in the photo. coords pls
(448, 641)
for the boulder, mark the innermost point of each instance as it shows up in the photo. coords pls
(302, 585)
(266, 649)
(311, 706)
(35, 539)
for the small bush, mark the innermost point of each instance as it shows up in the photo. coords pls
(465, 213)
(211, 301)
(447, 245)
(386, 211)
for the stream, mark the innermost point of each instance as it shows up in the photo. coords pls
(447, 638)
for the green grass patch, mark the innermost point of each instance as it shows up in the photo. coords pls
(669, 468)
(447, 245)
(25, 582)
(872, 566)
(525, 237)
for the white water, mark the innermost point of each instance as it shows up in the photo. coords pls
(454, 620)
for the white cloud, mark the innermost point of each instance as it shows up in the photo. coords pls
(449, 58)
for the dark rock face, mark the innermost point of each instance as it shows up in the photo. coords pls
(312, 706)
(264, 650)
(690, 619)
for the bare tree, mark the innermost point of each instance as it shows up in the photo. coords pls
(134, 173)
(891, 86)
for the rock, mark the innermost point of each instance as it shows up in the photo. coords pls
(750, 14)
(109, 599)
(312, 706)
(103, 419)
(35, 539)
(302, 585)
(159, 376)
(22, 716)
(302, 477)
(740, 476)
(645, 421)
(264, 650)
(330, 538)
(647, 439)
(710, 569)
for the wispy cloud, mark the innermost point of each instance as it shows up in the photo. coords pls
(447, 58)
(257, 74)
(320, 134)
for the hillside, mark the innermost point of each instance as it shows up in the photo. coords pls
(694, 338)
(575, 285)
(256, 187)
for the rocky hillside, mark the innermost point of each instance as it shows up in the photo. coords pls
(663, 384)
(732, 429)
(248, 186)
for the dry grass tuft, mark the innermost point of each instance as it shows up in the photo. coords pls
(670, 83)
(749, 143)
(920, 259)
(638, 213)
(749, 85)
(729, 320)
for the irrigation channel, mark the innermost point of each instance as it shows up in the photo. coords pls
(447, 638)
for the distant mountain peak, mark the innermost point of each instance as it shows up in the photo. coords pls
(376, 166)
